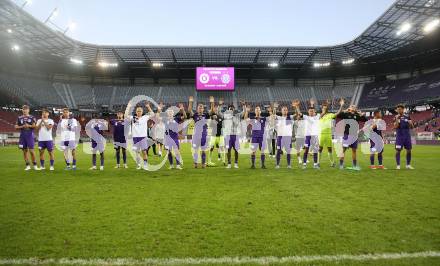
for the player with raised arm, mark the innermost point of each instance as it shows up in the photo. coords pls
(231, 130)
(172, 123)
(350, 140)
(96, 129)
(284, 128)
(377, 126)
(199, 140)
(259, 138)
(300, 138)
(45, 138)
(403, 125)
(216, 140)
(26, 123)
(139, 131)
(70, 129)
(119, 140)
(311, 132)
(326, 125)
(159, 131)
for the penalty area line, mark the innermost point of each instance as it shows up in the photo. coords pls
(221, 260)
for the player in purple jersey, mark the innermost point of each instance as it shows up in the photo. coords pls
(259, 135)
(119, 141)
(26, 123)
(172, 123)
(377, 126)
(96, 129)
(200, 135)
(403, 125)
(350, 140)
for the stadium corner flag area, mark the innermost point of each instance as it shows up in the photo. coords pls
(223, 153)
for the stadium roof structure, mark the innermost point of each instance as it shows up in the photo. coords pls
(35, 38)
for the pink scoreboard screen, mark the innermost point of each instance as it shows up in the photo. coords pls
(215, 79)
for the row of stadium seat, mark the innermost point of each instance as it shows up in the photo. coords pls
(45, 93)
(377, 94)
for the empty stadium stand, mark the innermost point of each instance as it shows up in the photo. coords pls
(408, 91)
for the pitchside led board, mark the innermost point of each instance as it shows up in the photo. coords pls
(215, 79)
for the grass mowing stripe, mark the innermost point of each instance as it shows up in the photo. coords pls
(223, 260)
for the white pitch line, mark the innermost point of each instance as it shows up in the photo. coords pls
(222, 260)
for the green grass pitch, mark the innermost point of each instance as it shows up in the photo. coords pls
(217, 212)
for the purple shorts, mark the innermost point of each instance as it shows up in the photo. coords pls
(140, 143)
(350, 142)
(98, 147)
(200, 143)
(69, 144)
(118, 145)
(48, 145)
(171, 143)
(373, 147)
(312, 142)
(258, 142)
(231, 141)
(403, 142)
(26, 142)
(284, 142)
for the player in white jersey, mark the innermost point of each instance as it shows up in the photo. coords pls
(284, 128)
(45, 139)
(159, 131)
(311, 132)
(139, 132)
(69, 129)
(298, 126)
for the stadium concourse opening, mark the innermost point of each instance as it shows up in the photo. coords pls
(154, 155)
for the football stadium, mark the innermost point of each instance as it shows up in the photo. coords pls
(231, 154)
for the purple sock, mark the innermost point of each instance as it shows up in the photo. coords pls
(398, 157)
(42, 163)
(263, 158)
(94, 159)
(124, 156)
(118, 157)
(354, 163)
(306, 153)
(288, 158)
(203, 157)
(341, 162)
(278, 157)
(408, 157)
(74, 162)
(236, 157)
(380, 158)
(253, 159)
(35, 163)
(170, 158)
(315, 157)
(51, 162)
(102, 160)
(372, 159)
